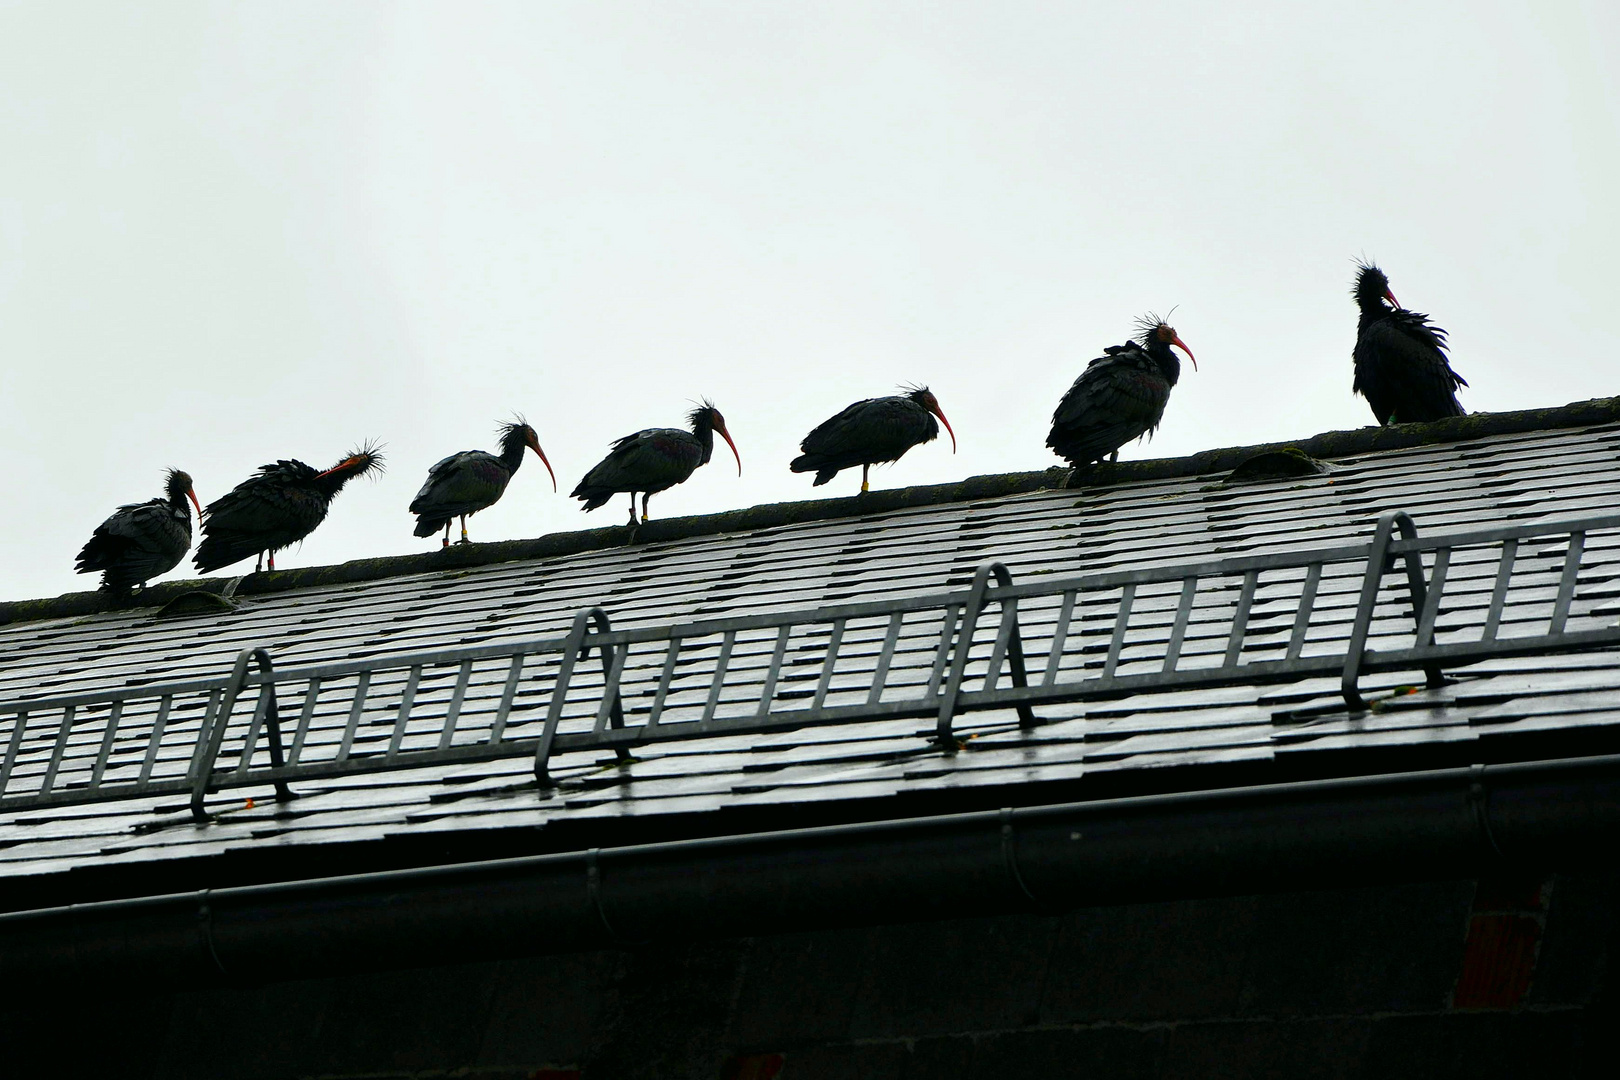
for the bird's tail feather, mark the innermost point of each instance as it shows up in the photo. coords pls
(219, 550)
(96, 555)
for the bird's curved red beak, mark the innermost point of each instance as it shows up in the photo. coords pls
(345, 465)
(1182, 345)
(939, 412)
(726, 435)
(1391, 298)
(192, 495)
(534, 444)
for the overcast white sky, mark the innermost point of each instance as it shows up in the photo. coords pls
(236, 232)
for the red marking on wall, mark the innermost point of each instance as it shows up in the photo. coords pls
(1504, 934)
(753, 1067)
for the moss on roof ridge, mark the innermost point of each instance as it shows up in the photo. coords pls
(1329, 444)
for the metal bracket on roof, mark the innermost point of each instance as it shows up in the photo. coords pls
(212, 736)
(1009, 642)
(577, 647)
(1379, 562)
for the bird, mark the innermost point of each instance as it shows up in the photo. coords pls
(1401, 364)
(870, 432)
(142, 540)
(1120, 396)
(654, 460)
(274, 508)
(465, 483)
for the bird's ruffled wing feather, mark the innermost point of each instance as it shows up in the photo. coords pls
(867, 432)
(1402, 370)
(462, 483)
(649, 460)
(1119, 397)
(139, 541)
(268, 511)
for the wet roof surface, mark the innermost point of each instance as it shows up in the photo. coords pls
(1529, 476)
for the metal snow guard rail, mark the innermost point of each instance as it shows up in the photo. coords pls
(1246, 619)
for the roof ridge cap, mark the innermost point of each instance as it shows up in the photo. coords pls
(1325, 445)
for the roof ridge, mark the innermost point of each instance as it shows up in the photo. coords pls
(1330, 444)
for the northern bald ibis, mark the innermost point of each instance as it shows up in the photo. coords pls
(870, 432)
(142, 540)
(274, 508)
(1401, 365)
(1120, 396)
(473, 480)
(654, 460)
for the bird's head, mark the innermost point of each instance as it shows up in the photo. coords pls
(366, 458)
(707, 416)
(178, 485)
(925, 397)
(1372, 286)
(1155, 333)
(519, 433)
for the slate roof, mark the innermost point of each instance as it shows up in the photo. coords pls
(1466, 476)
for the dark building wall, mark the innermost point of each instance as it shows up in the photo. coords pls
(1357, 983)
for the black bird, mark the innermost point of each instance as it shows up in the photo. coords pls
(465, 483)
(654, 460)
(1401, 365)
(871, 432)
(275, 508)
(142, 540)
(1120, 396)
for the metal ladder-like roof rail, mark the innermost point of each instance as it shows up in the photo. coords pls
(1510, 590)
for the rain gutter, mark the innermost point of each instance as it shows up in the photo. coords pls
(1431, 825)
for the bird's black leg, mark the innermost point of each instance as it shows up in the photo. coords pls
(444, 542)
(464, 539)
(1114, 457)
(632, 509)
(865, 486)
(259, 563)
(646, 497)
(272, 562)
